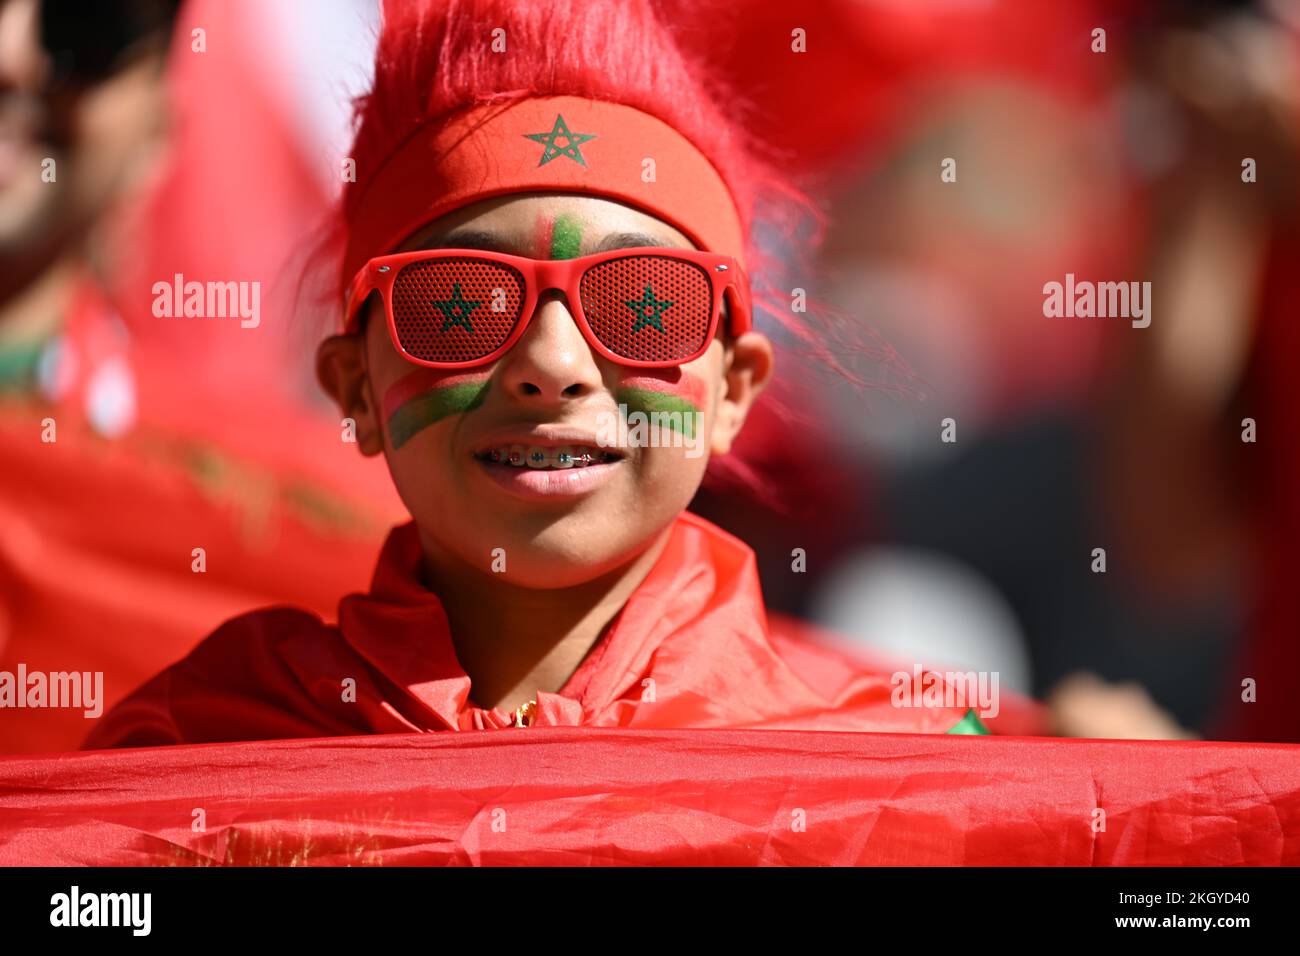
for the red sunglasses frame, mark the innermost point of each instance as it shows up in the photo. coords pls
(726, 279)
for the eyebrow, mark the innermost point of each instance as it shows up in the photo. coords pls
(477, 239)
(628, 240)
(469, 239)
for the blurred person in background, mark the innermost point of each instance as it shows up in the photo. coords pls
(1131, 440)
(82, 118)
(1197, 439)
(132, 519)
(1067, 435)
(987, 537)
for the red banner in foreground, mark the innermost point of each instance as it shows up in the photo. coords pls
(587, 796)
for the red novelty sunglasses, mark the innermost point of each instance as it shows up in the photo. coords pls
(647, 307)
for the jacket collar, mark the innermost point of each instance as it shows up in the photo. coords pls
(689, 646)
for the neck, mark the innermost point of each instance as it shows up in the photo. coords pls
(495, 626)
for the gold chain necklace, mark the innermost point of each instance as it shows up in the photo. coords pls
(525, 713)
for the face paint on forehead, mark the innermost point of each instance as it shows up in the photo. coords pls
(427, 396)
(687, 395)
(558, 237)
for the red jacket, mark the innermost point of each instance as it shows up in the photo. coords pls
(691, 648)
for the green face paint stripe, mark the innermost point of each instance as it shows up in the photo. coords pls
(566, 238)
(648, 402)
(424, 380)
(424, 410)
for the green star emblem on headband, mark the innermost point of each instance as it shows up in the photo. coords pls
(455, 311)
(560, 134)
(649, 310)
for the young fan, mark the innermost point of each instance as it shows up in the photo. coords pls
(548, 244)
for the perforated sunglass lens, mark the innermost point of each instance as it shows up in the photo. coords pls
(648, 308)
(455, 308)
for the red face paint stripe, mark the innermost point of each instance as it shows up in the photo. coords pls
(425, 380)
(545, 227)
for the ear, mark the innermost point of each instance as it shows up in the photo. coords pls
(341, 369)
(748, 363)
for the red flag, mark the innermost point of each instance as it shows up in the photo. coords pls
(584, 797)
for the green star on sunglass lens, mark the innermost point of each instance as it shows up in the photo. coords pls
(649, 310)
(455, 311)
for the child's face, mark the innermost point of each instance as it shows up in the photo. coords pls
(549, 395)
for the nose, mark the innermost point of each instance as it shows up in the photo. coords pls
(551, 363)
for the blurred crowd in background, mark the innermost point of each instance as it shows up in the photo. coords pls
(1123, 163)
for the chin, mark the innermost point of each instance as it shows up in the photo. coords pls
(554, 559)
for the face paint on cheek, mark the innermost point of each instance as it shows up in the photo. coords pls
(427, 396)
(679, 402)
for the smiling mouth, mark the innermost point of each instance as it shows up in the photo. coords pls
(543, 458)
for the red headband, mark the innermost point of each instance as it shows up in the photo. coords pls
(556, 144)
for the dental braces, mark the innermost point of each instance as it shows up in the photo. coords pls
(563, 458)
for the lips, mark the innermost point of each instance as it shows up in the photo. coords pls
(561, 472)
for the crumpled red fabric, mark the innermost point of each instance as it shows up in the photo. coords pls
(691, 648)
(609, 796)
